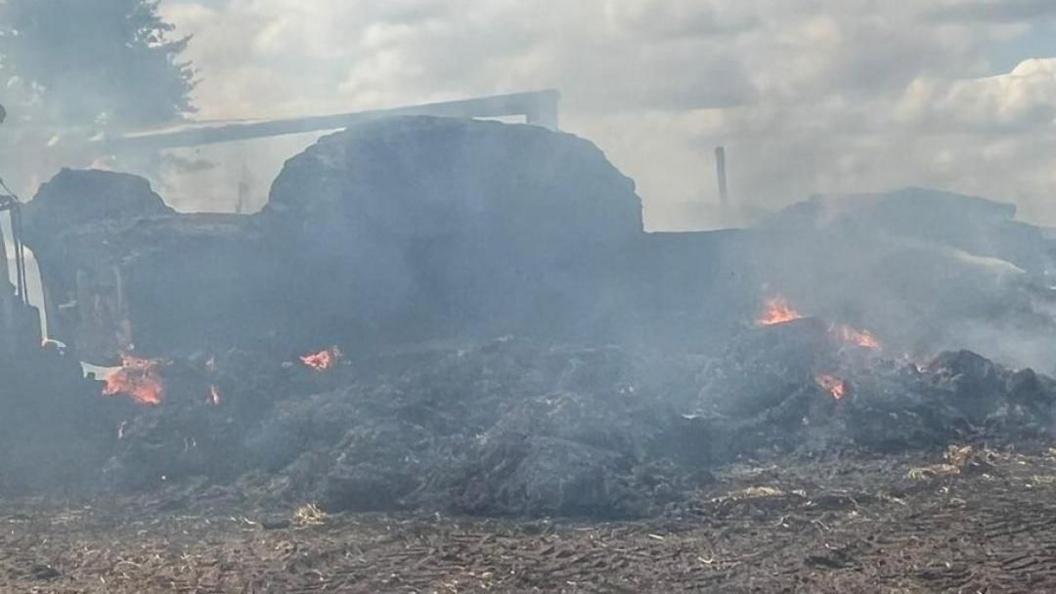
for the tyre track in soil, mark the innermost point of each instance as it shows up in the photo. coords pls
(842, 525)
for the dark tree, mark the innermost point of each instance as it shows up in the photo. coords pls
(96, 61)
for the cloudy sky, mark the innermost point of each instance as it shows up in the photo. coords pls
(809, 96)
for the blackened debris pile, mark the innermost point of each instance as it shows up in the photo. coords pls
(791, 386)
(517, 427)
(927, 270)
(508, 427)
(410, 243)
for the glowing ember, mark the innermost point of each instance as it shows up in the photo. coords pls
(777, 311)
(862, 338)
(832, 384)
(138, 379)
(214, 396)
(323, 360)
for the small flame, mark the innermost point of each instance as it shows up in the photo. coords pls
(214, 396)
(140, 379)
(323, 360)
(862, 338)
(832, 384)
(777, 311)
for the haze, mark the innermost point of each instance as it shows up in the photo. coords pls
(819, 96)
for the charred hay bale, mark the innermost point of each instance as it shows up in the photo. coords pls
(969, 385)
(422, 221)
(1036, 393)
(891, 408)
(83, 196)
(990, 395)
(767, 391)
(957, 396)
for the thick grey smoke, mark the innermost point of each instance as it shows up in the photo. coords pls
(818, 96)
(427, 313)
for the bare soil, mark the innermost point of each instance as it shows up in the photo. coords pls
(984, 521)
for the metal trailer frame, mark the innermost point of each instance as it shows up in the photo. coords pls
(539, 108)
(11, 205)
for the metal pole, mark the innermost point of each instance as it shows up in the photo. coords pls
(720, 167)
(20, 252)
(538, 107)
(11, 204)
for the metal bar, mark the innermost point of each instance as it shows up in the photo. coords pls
(720, 167)
(20, 253)
(538, 107)
(11, 205)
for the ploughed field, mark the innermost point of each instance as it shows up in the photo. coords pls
(967, 519)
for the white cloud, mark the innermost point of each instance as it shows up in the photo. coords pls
(1022, 100)
(809, 95)
(993, 10)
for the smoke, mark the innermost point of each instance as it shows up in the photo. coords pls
(820, 96)
(809, 96)
(438, 239)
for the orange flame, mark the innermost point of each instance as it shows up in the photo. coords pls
(139, 379)
(862, 338)
(777, 311)
(834, 385)
(214, 396)
(323, 360)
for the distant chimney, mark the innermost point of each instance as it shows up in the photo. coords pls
(720, 168)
